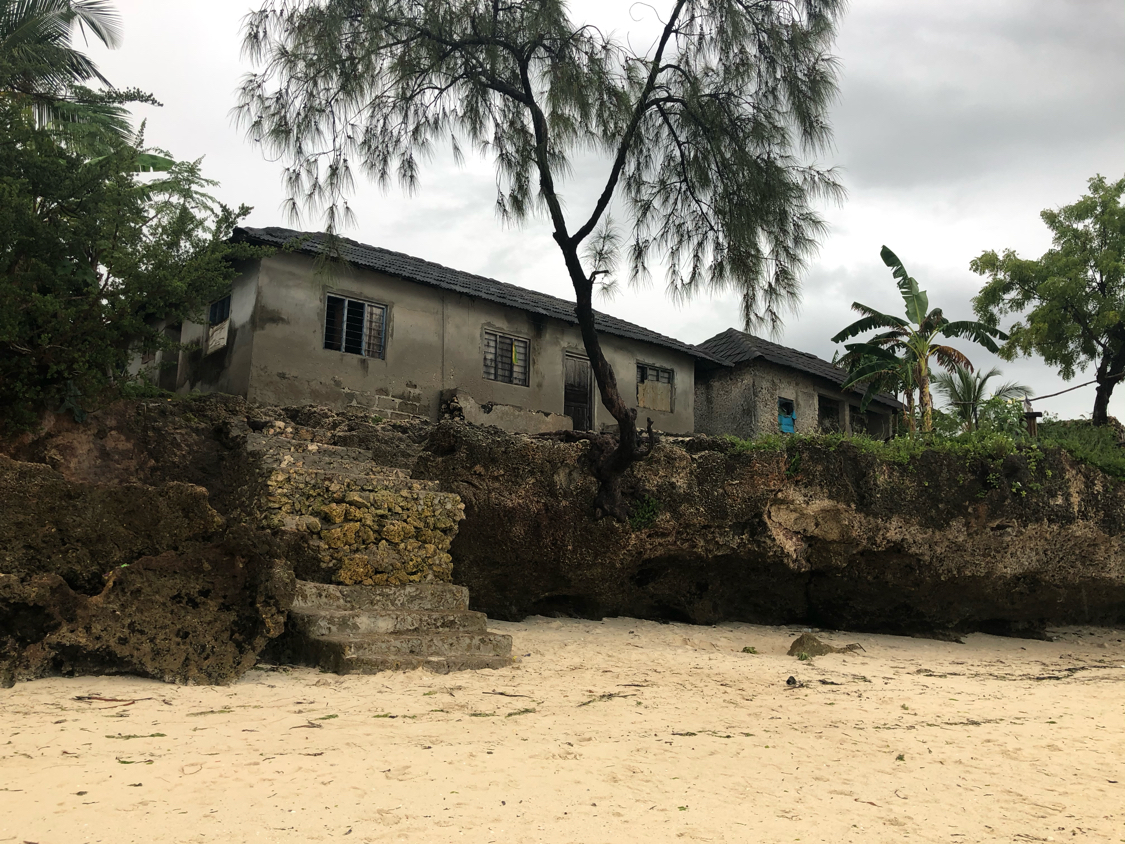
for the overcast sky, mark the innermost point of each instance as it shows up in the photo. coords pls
(958, 122)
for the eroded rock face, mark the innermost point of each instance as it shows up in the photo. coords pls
(81, 531)
(115, 558)
(202, 614)
(829, 538)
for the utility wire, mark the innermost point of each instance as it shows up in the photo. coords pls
(1078, 387)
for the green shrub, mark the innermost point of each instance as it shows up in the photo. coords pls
(1097, 446)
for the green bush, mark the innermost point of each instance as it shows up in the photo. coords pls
(1001, 433)
(1097, 446)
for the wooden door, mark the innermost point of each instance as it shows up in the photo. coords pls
(577, 392)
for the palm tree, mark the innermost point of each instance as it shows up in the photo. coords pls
(965, 391)
(37, 58)
(40, 67)
(914, 337)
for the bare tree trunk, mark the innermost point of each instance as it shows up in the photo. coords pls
(610, 460)
(925, 398)
(1109, 374)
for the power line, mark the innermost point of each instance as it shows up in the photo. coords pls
(1078, 387)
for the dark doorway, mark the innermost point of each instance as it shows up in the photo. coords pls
(827, 414)
(577, 396)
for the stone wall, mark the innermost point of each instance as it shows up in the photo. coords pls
(361, 523)
(742, 401)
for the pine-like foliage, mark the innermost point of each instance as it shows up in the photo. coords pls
(707, 131)
(708, 135)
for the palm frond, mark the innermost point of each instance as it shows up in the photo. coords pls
(875, 320)
(951, 358)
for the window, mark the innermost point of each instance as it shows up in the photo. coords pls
(786, 416)
(219, 312)
(218, 323)
(857, 419)
(505, 359)
(827, 414)
(358, 328)
(654, 387)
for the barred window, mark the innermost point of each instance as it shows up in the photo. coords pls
(218, 325)
(358, 328)
(505, 359)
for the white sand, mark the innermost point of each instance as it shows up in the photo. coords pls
(994, 740)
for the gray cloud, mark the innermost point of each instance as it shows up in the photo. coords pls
(933, 94)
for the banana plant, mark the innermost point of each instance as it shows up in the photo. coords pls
(913, 340)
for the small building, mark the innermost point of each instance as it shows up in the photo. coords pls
(769, 388)
(401, 335)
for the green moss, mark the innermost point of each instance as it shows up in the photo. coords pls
(645, 512)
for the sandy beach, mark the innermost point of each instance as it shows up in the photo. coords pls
(603, 732)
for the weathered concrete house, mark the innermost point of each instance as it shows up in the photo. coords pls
(769, 388)
(401, 335)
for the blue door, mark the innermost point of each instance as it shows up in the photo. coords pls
(786, 416)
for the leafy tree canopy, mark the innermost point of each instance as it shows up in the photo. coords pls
(1070, 302)
(90, 253)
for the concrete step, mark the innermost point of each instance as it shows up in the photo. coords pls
(436, 664)
(320, 622)
(423, 597)
(399, 652)
(393, 645)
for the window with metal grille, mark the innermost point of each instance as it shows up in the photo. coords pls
(358, 328)
(506, 359)
(218, 325)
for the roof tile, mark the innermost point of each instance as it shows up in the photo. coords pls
(427, 272)
(736, 347)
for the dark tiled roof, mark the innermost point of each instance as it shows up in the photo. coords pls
(737, 347)
(426, 272)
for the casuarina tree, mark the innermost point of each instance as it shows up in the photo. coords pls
(1071, 300)
(914, 338)
(707, 136)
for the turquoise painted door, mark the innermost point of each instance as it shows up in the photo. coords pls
(786, 416)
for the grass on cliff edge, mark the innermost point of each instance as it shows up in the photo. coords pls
(1097, 446)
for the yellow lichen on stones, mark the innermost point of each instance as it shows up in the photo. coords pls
(363, 531)
(334, 513)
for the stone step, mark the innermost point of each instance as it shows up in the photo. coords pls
(274, 445)
(320, 622)
(425, 597)
(394, 645)
(436, 664)
(361, 479)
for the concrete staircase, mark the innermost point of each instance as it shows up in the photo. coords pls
(366, 629)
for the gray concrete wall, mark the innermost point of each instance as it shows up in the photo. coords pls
(226, 370)
(434, 342)
(742, 402)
